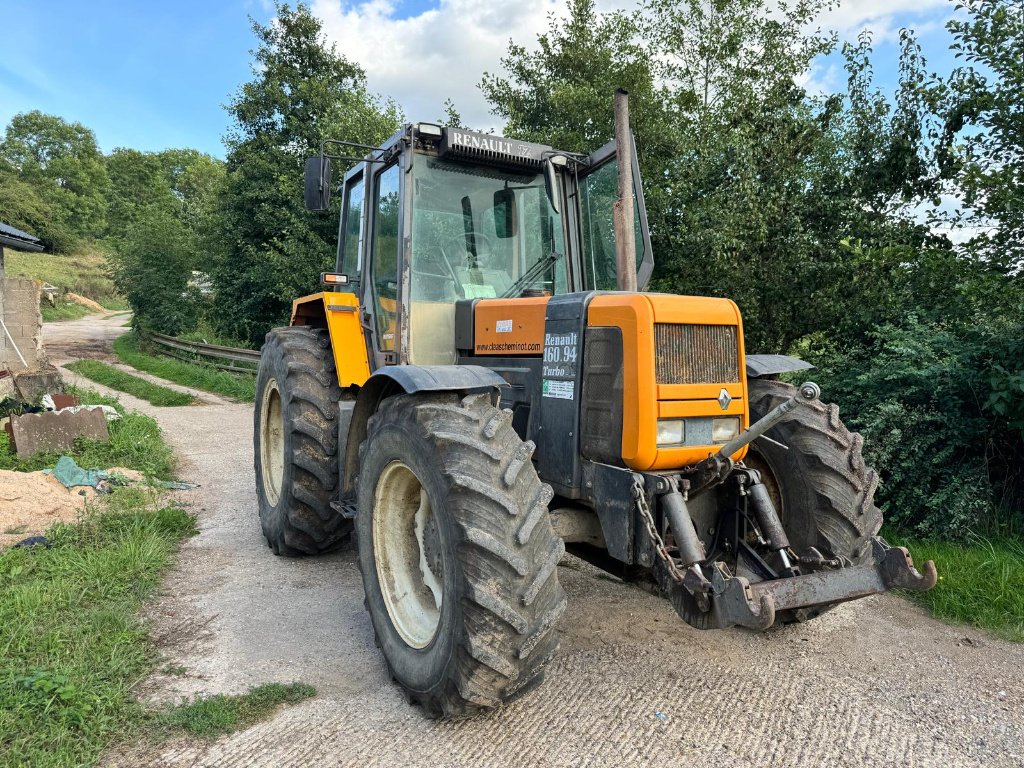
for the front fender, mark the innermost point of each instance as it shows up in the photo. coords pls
(408, 379)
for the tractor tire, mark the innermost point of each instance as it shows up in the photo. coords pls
(823, 491)
(821, 487)
(296, 442)
(457, 554)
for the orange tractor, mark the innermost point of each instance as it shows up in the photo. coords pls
(481, 385)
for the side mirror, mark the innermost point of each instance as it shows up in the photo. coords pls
(551, 180)
(504, 213)
(317, 196)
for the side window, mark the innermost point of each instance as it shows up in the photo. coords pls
(385, 257)
(352, 230)
(598, 193)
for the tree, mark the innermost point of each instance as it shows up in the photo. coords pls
(23, 207)
(152, 266)
(62, 161)
(562, 92)
(270, 248)
(982, 150)
(137, 183)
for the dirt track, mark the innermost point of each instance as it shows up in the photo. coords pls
(875, 682)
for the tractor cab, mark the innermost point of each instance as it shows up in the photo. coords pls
(441, 215)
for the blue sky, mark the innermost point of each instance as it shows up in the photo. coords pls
(154, 75)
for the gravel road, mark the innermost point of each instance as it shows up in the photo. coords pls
(876, 682)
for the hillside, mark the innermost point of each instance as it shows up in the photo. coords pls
(83, 273)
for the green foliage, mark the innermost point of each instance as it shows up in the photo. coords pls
(135, 443)
(112, 377)
(129, 349)
(74, 644)
(561, 93)
(62, 162)
(22, 206)
(215, 716)
(752, 185)
(981, 583)
(923, 396)
(270, 249)
(152, 268)
(983, 138)
(137, 184)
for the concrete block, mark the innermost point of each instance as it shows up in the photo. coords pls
(53, 431)
(32, 385)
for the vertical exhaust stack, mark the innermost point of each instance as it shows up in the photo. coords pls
(625, 236)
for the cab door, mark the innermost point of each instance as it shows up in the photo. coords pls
(598, 191)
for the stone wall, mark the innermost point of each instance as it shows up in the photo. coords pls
(19, 307)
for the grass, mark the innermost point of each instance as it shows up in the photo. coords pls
(204, 377)
(109, 376)
(84, 273)
(207, 335)
(63, 310)
(214, 716)
(73, 644)
(981, 583)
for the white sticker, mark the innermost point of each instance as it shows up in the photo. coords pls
(503, 326)
(563, 390)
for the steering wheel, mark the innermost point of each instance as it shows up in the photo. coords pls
(477, 239)
(434, 254)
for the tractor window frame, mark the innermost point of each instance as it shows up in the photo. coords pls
(598, 161)
(350, 252)
(389, 351)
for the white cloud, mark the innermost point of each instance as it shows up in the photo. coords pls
(883, 17)
(443, 52)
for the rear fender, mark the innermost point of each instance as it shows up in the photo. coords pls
(339, 314)
(407, 379)
(763, 366)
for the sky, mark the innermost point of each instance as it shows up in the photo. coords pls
(153, 75)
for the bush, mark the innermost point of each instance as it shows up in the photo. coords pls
(152, 267)
(939, 407)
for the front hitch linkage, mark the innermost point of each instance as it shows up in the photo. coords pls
(733, 599)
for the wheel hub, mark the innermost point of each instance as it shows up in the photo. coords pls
(408, 554)
(272, 442)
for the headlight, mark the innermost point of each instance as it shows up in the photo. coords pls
(671, 431)
(724, 430)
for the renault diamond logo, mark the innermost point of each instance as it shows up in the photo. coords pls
(724, 398)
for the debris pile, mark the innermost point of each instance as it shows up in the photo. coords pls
(54, 424)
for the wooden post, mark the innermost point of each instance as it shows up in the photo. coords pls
(625, 235)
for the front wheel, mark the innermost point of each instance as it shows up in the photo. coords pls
(295, 442)
(457, 552)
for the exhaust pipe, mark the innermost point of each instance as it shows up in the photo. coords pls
(625, 236)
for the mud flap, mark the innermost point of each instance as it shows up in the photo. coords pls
(736, 602)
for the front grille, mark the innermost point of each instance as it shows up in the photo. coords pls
(696, 354)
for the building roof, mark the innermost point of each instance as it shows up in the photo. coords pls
(15, 238)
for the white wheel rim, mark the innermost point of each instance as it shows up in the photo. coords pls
(407, 555)
(272, 441)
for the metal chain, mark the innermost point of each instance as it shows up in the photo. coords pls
(640, 495)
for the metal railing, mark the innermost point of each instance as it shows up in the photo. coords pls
(193, 351)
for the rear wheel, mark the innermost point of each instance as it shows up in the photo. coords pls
(296, 442)
(457, 552)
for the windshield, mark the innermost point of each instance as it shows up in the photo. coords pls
(480, 232)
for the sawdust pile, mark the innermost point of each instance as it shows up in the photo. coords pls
(85, 302)
(30, 502)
